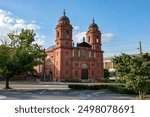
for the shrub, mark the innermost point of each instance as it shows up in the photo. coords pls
(106, 73)
(112, 74)
(113, 88)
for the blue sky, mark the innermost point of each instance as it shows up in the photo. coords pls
(123, 23)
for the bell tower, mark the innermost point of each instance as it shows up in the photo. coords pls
(63, 50)
(93, 36)
(64, 32)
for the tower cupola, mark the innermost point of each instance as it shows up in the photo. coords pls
(64, 18)
(93, 25)
(64, 32)
(93, 36)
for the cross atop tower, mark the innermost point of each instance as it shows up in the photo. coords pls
(64, 12)
(93, 20)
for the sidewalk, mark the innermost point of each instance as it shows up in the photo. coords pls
(34, 86)
(44, 85)
(53, 83)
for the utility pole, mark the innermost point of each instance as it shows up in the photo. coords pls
(140, 47)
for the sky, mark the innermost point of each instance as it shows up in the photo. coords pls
(123, 23)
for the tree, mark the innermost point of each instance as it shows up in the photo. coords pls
(106, 73)
(20, 55)
(134, 71)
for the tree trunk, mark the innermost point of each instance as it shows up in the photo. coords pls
(7, 83)
(141, 95)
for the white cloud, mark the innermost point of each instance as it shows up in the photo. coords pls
(8, 23)
(76, 27)
(4, 17)
(20, 21)
(107, 37)
(79, 36)
(40, 40)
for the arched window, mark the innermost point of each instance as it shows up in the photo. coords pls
(66, 43)
(84, 66)
(48, 59)
(97, 40)
(66, 52)
(57, 43)
(57, 34)
(92, 64)
(89, 39)
(76, 64)
(67, 34)
(76, 73)
(66, 62)
(92, 73)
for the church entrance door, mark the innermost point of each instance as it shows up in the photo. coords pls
(84, 72)
(84, 75)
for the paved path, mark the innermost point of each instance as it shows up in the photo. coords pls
(35, 85)
(63, 95)
(44, 85)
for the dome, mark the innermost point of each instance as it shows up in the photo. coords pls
(64, 17)
(93, 25)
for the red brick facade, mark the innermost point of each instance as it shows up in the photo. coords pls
(64, 61)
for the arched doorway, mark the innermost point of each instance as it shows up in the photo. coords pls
(84, 72)
(51, 76)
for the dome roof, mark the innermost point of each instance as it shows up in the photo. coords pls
(64, 17)
(93, 25)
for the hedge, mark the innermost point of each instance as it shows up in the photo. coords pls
(113, 88)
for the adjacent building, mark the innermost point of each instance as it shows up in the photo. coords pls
(108, 64)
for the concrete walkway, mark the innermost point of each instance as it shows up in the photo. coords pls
(44, 85)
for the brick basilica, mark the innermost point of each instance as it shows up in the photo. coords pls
(66, 61)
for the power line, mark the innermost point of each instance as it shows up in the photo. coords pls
(120, 50)
(125, 44)
(145, 43)
(118, 45)
(125, 50)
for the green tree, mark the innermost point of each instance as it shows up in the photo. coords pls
(20, 55)
(106, 73)
(134, 71)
